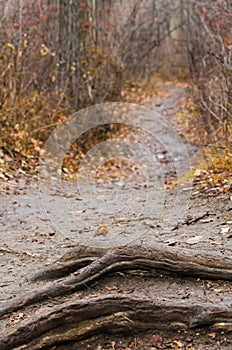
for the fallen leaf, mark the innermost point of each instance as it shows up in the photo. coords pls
(102, 230)
(111, 288)
(213, 335)
(194, 240)
(225, 229)
(198, 172)
(179, 343)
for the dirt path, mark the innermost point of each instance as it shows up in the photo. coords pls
(34, 234)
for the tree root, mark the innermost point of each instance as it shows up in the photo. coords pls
(114, 312)
(183, 262)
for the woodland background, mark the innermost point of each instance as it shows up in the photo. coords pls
(58, 56)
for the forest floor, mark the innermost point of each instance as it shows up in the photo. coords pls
(37, 226)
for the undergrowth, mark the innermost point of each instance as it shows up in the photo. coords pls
(25, 127)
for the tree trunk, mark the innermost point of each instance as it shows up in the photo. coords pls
(69, 46)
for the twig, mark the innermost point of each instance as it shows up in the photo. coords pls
(190, 221)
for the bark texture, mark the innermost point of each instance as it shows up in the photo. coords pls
(75, 320)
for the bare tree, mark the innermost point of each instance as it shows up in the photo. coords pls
(209, 43)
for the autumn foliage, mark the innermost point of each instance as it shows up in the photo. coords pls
(57, 57)
(209, 44)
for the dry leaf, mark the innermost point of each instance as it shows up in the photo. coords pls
(225, 229)
(102, 230)
(194, 240)
(213, 335)
(109, 288)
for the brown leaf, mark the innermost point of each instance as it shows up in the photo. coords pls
(102, 230)
(213, 335)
